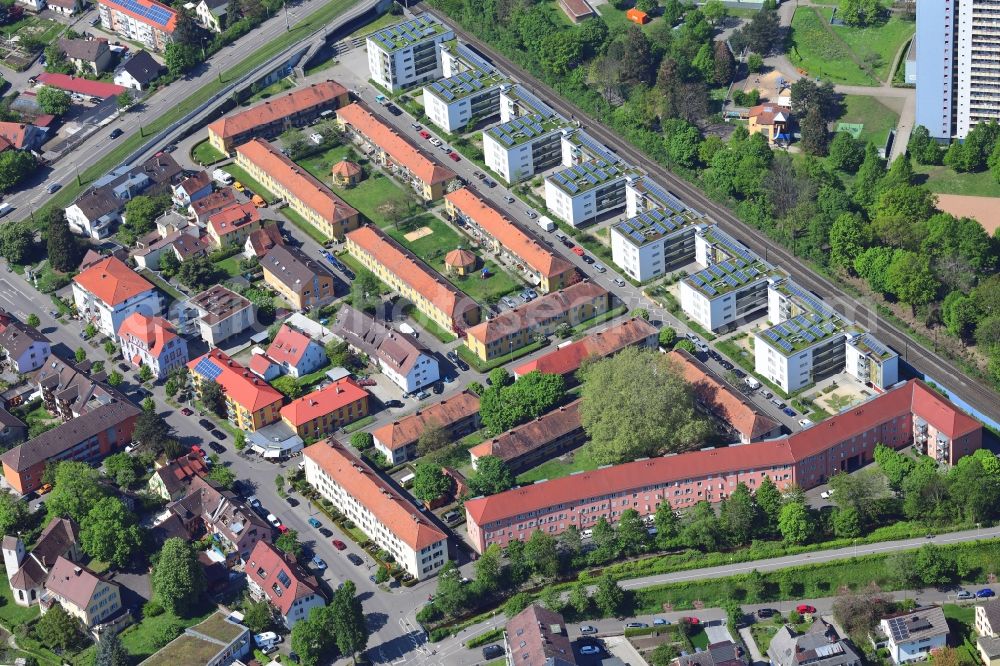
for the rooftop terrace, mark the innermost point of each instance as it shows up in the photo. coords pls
(408, 33)
(464, 84)
(726, 276)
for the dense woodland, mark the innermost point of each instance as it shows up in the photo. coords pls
(834, 203)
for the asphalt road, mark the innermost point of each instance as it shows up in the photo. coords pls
(65, 170)
(974, 391)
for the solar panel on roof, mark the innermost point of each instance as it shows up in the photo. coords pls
(571, 186)
(785, 345)
(207, 369)
(807, 336)
(710, 290)
(659, 228)
(697, 280)
(876, 346)
(716, 271)
(507, 141)
(730, 280)
(639, 237)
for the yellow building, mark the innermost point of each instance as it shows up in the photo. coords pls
(449, 307)
(321, 412)
(771, 120)
(306, 195)
(517, 328)
(298, 279)
(250, 401)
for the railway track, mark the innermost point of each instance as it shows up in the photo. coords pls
(973, 391)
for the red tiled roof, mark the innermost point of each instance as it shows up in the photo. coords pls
(14, 133)
(537, 637)
(407, 430)
(345, 169)
(532, 435)
(177, 473)
(398, 514)
(404, 265)
(722, 400)
(264, 567)
(242, 386)
(766, 114)
(576, 9)
(260, 364)
(79, 85)
(154, 332)
(568, 358)
(112, 281)
(72, 582)
(232, 219)
(317, 94)
(508, 234)
(325, 401)
(524, 316)
(263, 239)
(398, 148)
(289, 345)
(297, 180)
(214, 202)
(167, 27)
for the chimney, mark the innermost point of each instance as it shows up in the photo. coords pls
(77, 571)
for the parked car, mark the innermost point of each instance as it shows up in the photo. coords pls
(424, 134)
(315, 523)
(600, 268)
(253, 502)
(479, 175)
(531, 214)
(826, 494)
(532, 293)
(115, 133)
(788, 411)
(206, 424)
(985, 593)
(489, 183)
(965, 594)
(218, 448)
(766, 612)
(187, 411)
(451, 517)
(690, 619)
(578, 251)
(338, 544)
(219, 435)
(273, 519)
(508, 301)
(197, 450)
(590, 649)
(291, 501)
(620, 282)
(423, 395)
(282, 529)
(492, 651)
(454, 157)
(393, 109)
(46, 487)
(659, 622)
(416, 126)
(588, 629)
(318, 562)
(636, 625)
(587, 259)
(802, 609)
(434, 141)
(355, 560)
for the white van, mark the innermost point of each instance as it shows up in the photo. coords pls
(545, 223)
(751, 382)
(222, 177)
(5, 208)
(265, 640)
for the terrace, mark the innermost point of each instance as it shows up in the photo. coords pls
(803, 331)
(464, 84)
(650, 226)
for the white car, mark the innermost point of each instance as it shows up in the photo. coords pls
(435, 141)
(590, 649)
(826, 494)
(265, 639)
(316, 138)
(804, 423)
(273, 519)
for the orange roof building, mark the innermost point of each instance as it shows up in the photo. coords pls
(545, 269)
(461, 261)
(771, 120)
(910, 413)
(321, 412)
(146, 21)
(450, 308)
(389, 518)
(427, 177)
(252, 403)
(346, 174)
(108, 291)
(232, 226)
(286, 584)
(637, 16)
(532, 443)
(152, 341)
(274, 116)
(307, 196)
(517, 328)
(457, 415)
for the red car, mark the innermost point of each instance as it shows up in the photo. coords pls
(339, 545)
(691, 620)
(577, 250)
(282, 529)
(186, 412)
(802, 609)
(425, 134)
(197, 451)
(453, 157)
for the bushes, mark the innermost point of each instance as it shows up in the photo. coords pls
(485, 638)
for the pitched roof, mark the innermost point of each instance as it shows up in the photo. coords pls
(57, 539)
(723, 400)
(345, 169)
(374, 338)
(177, 474)
(281, 578)
(150, 12)
(508, 234)
(302, 184)
(53, 442)
(142, 67)
(15, 133)
(17, 338)
(767, 114)
(293, 267)
(192, 184)
(317, 94)
(918, 625)
(550, 305)
(407, 267)
(112, 281)
(568, 358)
(88, 50)
(8, 420)
(187, 246)
(397, 147)
(289, 345)
(213, 203)
(407, 430)
(154, 332)
(233, 219)
(242, 386)
(537, 636)
(323, 401)
(392, 509)
(219, 303)
(73, 582)
(262, 240)
(532, 435)
(80, 85)
(460, 257)
(992, 610)
(260, 364)
(723, 653)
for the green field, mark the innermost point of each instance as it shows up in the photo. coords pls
(579, 461)
(42, 29)
(877, 46)
(962, 633)
(876, 117)
(432, 249)
(275, 88)
(817, 50)
(205, 153)
(231, 265)
(943, 180)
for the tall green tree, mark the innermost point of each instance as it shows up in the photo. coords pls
(609, 596)
(53, 100)
(430, 482)
(178, 579)
(349, 620)
(110, 533)
(13, 513)
(795, 523)
(17, 239)
(492, 476)
(58, 629)
(15, 166)
(365, 294)
(911, 279)
(76, 491)
(631, 532)
(63, 248)
(870, 175)
(110, 651)
(769, 500)
(213, 398)
(541, 552)
(739, 515)
(313, 638)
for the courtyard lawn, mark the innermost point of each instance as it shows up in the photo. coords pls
(304, 225)
(231, 265)
(820, 52)
(205, 153)
(943, 180)
(578, 460)
(876, 117)
(319, 164)
(432, 249)
(877, 45)
(962, 633)
(140, 639)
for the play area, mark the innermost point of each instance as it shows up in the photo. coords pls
(417, 234)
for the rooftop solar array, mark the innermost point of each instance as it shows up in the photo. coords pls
(732, 247)
(595, 147)
(461, 85)
(876, 347)
(536, 104)
(156, 13)
(810, 301)
(582, 177)
(474, 58)
(665, 198)
(518, 130)
(726, 275)
(405, 33)
(208, 369)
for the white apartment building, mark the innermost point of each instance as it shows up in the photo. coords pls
(389, 519)
(466, 98)
(808, 341)
(146, 21)
(108, 291)
(958, 72)
(407, 54)
(585, 192)
(523, 146)
(457, 57)
(515, 102)
(726, 293)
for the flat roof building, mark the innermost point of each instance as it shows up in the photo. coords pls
(222, 313)
(457, 102)
(406, 54)
(584, 192)
(525, 145)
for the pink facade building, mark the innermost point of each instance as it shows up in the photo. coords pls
(911, 413)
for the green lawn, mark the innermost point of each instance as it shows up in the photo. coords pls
(205, 153)
(431, 326)
(11, 614)
(820, 53)
(379, 23)
(139, 639)
(231, 265)
(579, 460)
(432, 249)
(877, 118)
(943, 180)
(43, 29)
(877, 45)
(304, 224)
(162, 285)
(962, 633)
(275, 88)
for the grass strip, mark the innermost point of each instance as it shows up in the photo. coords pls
(485, 366)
